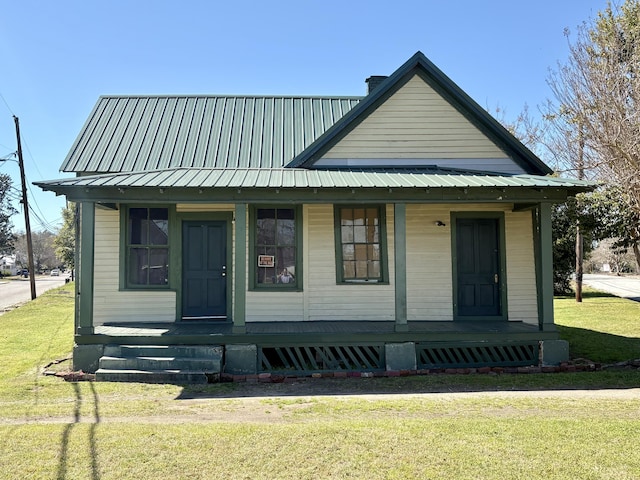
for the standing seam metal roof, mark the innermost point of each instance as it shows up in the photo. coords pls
(296, 178)
(137, 133)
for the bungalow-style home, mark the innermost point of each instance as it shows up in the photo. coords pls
(402, 230)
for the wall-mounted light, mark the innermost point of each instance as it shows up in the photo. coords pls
(439, 223)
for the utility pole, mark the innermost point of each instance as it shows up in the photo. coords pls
(25, 205)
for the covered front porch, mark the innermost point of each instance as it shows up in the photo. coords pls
(303, 348)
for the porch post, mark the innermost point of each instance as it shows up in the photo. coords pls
(240, 268)
(400, 258)
(84, 268)
(544, 261)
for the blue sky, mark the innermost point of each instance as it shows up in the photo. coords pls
(58, 57)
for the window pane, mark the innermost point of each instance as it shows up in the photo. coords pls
(266, 226)
(361, 252)
(374, 252)
(361, 269)
(374, 270)
(158, 226)
(348, 252)
(346, 216)
(286, 232)
(138, 226)
(266, 275)
(347, 234)
(158, 266)
(349, 270)
(360, 234)
(138, 266)
(358, 216)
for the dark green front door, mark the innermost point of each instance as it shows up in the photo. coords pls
(478, 267)
(204, 270)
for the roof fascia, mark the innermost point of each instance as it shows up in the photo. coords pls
(419, 64)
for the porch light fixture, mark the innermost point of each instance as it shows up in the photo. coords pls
(439, 223)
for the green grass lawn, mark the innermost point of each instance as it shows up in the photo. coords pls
(55, 429)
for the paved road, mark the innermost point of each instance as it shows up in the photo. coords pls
(624, 286)
(14, 292)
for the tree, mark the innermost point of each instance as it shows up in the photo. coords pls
(65, 241)
(44, 256)
(7, 238)
(597, 103)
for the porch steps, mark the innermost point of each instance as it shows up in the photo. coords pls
(160, 364)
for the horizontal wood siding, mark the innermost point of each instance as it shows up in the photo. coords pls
(205, 207)
(327, 300)
(429, 265)
(521, 272)
(109, 303)
(416, 122)
(429, 277)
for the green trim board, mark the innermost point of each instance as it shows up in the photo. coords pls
(544, 266)
(253, 265)
(502, 264)
(85, 280)
(383, 241)
(240, 276)
(400, 264)
(324, 195)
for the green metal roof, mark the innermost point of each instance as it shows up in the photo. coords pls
(260, 178)
(136, 133)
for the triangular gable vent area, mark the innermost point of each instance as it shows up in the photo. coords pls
(415, 118)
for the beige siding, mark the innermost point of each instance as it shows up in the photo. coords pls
(110, 304)
(417, 123)
(521, 273)
(329, 301)
(429, 265)
(429, 277)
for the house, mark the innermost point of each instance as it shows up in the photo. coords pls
(8, 265)
(406, 229)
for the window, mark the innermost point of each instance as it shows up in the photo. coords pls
(147, 247)
(276, 248)
(360, 249)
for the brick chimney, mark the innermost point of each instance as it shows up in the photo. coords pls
(374, 81)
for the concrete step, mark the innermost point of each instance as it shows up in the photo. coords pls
(180, 364)
(202, 351)
(154, 376)
(206, 365)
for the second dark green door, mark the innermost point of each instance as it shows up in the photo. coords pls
(478, 267)
(204, 270)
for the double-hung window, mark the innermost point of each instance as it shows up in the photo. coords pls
(276, 249)
(360, 244)
(147, 247)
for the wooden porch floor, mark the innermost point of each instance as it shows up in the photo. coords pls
(319, 331)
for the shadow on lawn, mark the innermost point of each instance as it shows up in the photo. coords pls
(599, 347)
(68, 429)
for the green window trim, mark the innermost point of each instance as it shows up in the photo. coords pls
(377, 265)
(282, 279)
(127, 247)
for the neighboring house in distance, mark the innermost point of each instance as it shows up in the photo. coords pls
(402, 230)
(8, 264)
